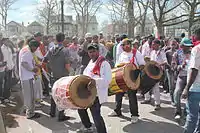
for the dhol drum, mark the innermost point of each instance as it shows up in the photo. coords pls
(151, 74)
(73, 92)
(123, 78)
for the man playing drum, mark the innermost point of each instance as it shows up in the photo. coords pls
(133, 56)
(100, 70)
(159, 56)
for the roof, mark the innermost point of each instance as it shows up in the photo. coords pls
(35, 23)
(16, 23)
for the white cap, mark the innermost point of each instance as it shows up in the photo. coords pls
(88, 35)
(136, 41)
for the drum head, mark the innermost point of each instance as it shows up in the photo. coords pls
(131, 76)
(79, 93)
(153, 70)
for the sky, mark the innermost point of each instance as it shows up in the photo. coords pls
(26, 10)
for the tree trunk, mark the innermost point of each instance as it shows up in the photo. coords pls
(130, 18)
(160, 29)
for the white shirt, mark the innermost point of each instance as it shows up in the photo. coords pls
(125, 57)
(119, 50)
(158, 56)
(8, 56)
(25, 56)
(195, 63)
(102, 81)
(146, 50)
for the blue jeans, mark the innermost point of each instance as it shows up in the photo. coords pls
(180, 85)
(170, 79)
(192, 124)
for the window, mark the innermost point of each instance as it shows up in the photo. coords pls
(93, 28)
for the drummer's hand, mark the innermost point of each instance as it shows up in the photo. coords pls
(141, 67)
(91, 84)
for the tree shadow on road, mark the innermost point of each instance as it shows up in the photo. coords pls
(111, 105)
(148, 126)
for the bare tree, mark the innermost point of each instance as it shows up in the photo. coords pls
(46, 13)
(5, 6)
(118, 15)
(143, 6)
(85, 10)
(190, 7)
(161, 10)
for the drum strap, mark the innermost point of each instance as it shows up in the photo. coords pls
(96, 69)
(133, 58)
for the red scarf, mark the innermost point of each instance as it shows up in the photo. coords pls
(96, 69)
(132, 61)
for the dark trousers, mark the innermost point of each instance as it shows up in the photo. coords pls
(7, 84)
(53, 104)
(133, 104)
(53, 110)
(2, 74)
(96, 114)
(46, 88)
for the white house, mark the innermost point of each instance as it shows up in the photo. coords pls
(35, 27)
(14, 28)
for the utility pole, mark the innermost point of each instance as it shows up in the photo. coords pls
(62, 15)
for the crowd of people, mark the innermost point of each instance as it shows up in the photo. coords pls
(38, 61)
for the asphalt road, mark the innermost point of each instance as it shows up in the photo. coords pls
(150, 121)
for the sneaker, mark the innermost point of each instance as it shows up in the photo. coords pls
(177, 117)
(6, 100)
(157, 107)
(134, 119)
(113, 113)
(146, 102)
(85, 130)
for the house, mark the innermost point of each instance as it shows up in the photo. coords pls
(118, 27)
(14, 28)
(149, 28)
(91, 27)
(70, 28)
(35, 27)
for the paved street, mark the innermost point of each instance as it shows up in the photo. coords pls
(150, 121)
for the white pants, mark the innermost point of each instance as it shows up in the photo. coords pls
(156, 93)
(38, 88)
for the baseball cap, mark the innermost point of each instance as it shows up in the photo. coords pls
(93, 46)
(186, 42)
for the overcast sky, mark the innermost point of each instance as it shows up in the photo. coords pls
(25, 11)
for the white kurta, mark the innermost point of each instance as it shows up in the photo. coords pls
(102, 81)
(125, 57)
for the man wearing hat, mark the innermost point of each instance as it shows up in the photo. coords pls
(27, 71)
(119, 49)
(158, 55)
(83, 52)
(134, 57)
(180, 62)
(192, 89)
(98, 69)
